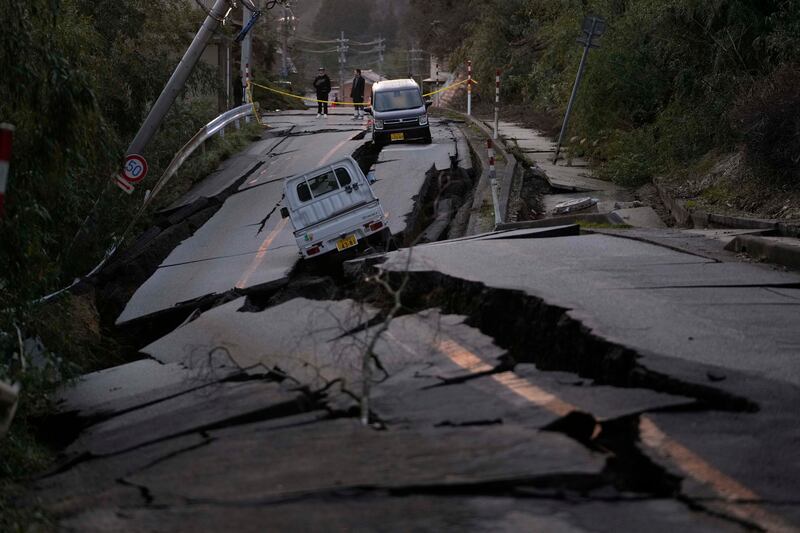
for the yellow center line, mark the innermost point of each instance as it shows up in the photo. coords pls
(650, 434)
(467, 360)
(700, 470)
(262, 252)
(332, 152)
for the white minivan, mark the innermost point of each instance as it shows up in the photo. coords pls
(332, 209)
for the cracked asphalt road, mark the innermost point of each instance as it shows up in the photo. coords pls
(533, 381)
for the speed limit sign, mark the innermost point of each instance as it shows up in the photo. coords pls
(135, 168)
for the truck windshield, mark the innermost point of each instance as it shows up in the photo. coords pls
(397, 100)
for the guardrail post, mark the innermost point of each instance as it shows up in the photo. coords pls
(469, 87)
(493, 183)
(496, 102)
(6, 137)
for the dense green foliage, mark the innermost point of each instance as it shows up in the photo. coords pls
(672, 80)
(77, 79)
(78, 92)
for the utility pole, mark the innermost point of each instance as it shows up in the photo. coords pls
(285, 65)
(222, 102)
(342, 49)
(438, 94)
(227, 76)
(414, 58)
(247, 49)
(592, 27)
(177, 80)
(381, 48)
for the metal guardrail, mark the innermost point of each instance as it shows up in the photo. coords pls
(205, 133)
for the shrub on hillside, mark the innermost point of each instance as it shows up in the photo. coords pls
(768, 116)
(629, 157)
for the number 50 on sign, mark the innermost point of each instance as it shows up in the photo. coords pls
(135, 168)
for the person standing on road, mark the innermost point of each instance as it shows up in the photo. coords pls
(357, 94)
(322, 84)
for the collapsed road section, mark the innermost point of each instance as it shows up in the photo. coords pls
(492, 405)
(572, 385)
(242, 245)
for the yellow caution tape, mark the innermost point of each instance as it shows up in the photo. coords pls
(450, 87)
(304, 98)
(345, 103)
(255, 109)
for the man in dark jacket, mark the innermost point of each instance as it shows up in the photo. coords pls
(357, 94)
(322, 84)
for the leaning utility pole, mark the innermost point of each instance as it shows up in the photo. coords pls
(176, 83)
(592, 27)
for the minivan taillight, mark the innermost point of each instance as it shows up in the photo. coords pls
(314, 250)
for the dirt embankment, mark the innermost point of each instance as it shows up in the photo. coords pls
(725, 184)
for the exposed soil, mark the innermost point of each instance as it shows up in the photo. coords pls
(725, 184)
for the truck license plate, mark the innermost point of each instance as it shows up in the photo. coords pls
(398, 136)
(346, 242)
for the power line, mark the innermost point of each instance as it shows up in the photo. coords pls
(328, 51)
(314, 41)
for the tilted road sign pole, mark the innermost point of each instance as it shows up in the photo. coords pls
(592, 27)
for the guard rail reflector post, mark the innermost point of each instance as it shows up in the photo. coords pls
(496, 102)
(6, 137)
(469, 87)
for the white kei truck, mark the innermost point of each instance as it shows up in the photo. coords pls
(332, 209)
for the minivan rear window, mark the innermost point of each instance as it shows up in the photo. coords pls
(397, 100)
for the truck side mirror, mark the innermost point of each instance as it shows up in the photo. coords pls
(428, 103)
(368, 110)
(284, 212)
